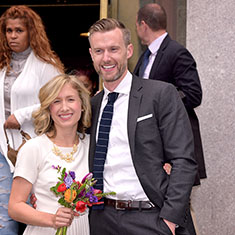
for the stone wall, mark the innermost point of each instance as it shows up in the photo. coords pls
(211, 39)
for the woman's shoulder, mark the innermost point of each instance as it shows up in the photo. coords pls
(40, 141)
(85, 139)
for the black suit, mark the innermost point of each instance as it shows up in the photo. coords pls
(174, 64)
(164, 136)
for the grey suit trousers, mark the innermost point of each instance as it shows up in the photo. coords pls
(132, 222)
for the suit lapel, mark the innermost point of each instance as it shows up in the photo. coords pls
(96, 104)
(133, 110)
(158, 58)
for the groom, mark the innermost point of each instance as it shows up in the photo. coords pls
(149, 128)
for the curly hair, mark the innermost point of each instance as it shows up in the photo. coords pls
(48, 93)
(39, 41)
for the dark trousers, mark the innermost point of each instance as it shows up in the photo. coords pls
(21, 228)
(132, 222)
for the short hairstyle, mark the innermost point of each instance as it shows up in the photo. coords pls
(154, 15)
(108, 24)
(48, 93)
(38, 39)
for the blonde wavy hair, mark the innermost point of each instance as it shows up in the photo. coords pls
(48, 93)
(39, 41)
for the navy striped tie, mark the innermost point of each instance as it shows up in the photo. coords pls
(102, 143)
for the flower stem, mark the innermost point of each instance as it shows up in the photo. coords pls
(61, 231)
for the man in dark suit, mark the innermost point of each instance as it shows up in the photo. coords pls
(171, 62)
(149, 127)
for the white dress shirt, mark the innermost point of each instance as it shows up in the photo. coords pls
(119, 173)
(153, 47)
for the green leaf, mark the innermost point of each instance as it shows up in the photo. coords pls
(64, 203)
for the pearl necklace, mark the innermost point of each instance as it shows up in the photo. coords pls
(68, 157)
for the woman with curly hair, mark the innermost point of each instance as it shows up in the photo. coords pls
(27, 62)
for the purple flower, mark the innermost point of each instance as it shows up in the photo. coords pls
(93, 199)
(88, 177)
(56, 167)
(88, 195)
(68, 180)
(90, 192)
(82, 193)
(72, 174)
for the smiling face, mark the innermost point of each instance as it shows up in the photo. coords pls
(17, 35)
(110, 54)
(66, 109)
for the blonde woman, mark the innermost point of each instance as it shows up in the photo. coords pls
(60, 123)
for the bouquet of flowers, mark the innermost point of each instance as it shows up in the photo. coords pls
(74, 194)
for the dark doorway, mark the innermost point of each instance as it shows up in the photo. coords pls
(64, 22)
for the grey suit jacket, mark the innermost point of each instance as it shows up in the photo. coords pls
(159, 131)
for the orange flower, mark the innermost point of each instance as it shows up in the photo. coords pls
(70, 196)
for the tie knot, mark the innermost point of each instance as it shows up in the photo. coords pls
(112, 97)
(147, 53)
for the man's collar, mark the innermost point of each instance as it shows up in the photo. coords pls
(123, 87)
(155, 45)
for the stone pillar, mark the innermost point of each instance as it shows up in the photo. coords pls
(211, 39)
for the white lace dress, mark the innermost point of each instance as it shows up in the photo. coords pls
(34, 164)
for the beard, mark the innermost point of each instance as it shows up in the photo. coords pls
(117, 76)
